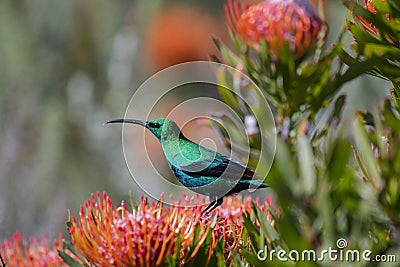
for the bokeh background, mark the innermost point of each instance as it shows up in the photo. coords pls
(66, 67)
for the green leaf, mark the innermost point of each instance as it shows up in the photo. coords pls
(390, 118)
(225, 89)
(201, 257)
(338, 158)
(362, 37)
(286, 67)
(377, 20)
(69, 246)
(69, 260)
(373, 49)
(177, 258)
(394, 4)
(229, 57)
(217, 256)
(358, 69)
(381, 6)
(252, 231)
(364, 148)
(265, 224)
(286, 165)
(305, 156)
(196, 235)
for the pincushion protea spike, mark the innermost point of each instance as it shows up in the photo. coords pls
(19, 251)
(277, 22)
(106, 235)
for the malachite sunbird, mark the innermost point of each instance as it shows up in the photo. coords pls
(200, 169)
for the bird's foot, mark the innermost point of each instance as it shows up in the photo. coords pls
(205, 216)
(212, 206)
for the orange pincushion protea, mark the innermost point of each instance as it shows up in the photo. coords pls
(176, 34)
(17, 251)
(107, 235)
(277, 22)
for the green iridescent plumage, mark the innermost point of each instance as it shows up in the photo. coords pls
(200, 169)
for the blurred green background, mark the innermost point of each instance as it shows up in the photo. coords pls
(66, 67)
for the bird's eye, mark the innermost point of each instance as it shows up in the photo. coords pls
(154, 125)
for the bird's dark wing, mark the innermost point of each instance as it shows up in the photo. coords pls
(218, 167)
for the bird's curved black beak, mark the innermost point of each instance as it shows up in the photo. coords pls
(139, 122)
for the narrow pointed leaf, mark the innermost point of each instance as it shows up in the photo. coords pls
(365, 151)
(69, 260)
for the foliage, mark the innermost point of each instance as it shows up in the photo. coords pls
(376, 31)
(378, 156)
(331, 182)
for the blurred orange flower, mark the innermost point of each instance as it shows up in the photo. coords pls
(17, 251)
(176, 34)
(149, 234)
(277, 22)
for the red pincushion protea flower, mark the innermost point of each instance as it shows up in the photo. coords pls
(107, 236)
(277, 22)
(17, 251)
